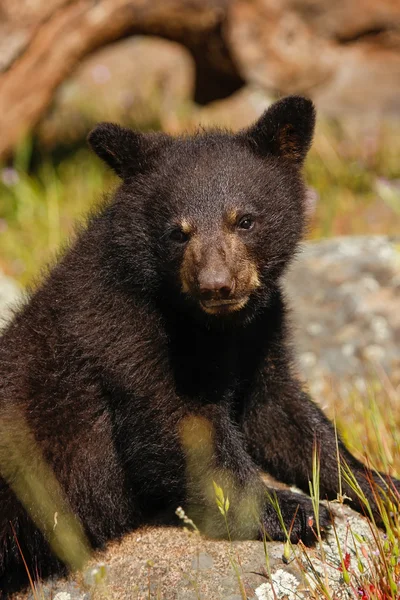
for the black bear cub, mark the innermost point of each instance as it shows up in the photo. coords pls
(155, 357)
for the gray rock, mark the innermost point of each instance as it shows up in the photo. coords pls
(202, 562)
(158, 563)
(345, 296)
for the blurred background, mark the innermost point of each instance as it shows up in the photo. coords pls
(175, 65)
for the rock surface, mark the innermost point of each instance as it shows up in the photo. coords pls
(346, 57)
(173, 564)
(345, 295)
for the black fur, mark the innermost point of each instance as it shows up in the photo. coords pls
(134, 392)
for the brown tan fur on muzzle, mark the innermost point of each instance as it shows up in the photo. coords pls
(225, 257)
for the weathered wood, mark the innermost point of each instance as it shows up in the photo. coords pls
(345, 57)
(42, 42)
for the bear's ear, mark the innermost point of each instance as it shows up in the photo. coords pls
(127, 152)
(285, 129)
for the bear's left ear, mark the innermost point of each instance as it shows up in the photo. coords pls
(126, 151)
(285, 130)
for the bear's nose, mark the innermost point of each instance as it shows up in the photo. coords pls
(215, 284)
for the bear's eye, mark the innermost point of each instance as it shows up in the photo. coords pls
(179, 236)
(246, 222)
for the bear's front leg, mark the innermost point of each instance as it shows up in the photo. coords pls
(225, 495)
(283, 426)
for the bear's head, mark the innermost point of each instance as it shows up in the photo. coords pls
(210, 220)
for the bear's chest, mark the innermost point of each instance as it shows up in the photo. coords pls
(211, 368)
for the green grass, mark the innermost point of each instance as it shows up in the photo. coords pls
(349, 171)
(39, 210)
(367, 567)
(369, 419)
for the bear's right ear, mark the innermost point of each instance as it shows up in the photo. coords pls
(127, 152)
(284, 130)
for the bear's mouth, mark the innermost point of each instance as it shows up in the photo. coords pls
(223, 306)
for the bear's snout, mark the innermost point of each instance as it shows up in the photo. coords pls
(220, 276)
(215, 283)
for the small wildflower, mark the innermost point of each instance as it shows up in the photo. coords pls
(364, 551)
(9, 176)
(183, 516)
(96, 575)
(101, 74)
